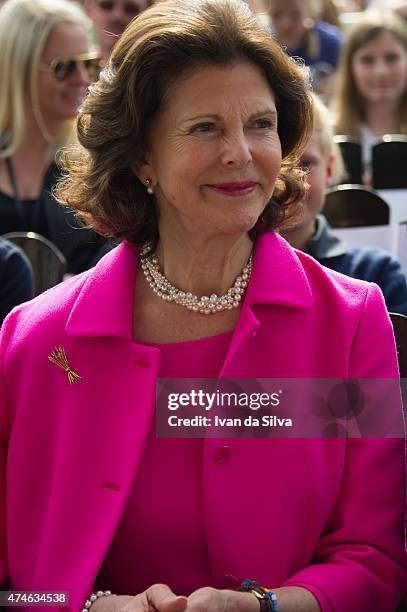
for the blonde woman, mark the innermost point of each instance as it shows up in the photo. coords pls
(371, 98)
(45, 69)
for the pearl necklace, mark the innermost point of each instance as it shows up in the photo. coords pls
(205, 304)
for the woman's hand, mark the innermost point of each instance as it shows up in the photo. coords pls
(157, 598)
(160, 598)
(214, 600)
(290, 599)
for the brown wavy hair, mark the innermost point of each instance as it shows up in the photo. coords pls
(166, 41)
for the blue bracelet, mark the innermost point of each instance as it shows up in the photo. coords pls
(267, 599)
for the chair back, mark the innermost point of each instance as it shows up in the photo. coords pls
(351, 151)
(47, 261)
(355, 206)
(389, 162)
(399, 322)
(402, 607)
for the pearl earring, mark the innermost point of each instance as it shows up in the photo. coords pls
(149, 185)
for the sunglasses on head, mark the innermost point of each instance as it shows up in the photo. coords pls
(62, 67)
(128, 7)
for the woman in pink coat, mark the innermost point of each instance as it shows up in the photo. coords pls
(190, 141)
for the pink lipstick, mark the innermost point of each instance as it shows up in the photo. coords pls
(234, 190)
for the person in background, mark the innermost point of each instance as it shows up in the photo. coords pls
(297, 27)
(45, 70)
(16, 284)
(110, 18)
(371, 94)
(329, 13)
(312, 234)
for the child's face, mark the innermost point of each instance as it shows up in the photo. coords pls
(289, 20)
(319, 169)
(380, 69)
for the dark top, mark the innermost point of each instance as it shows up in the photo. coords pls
(15, 278)
(329, 39)
(366, 263)
(81, 247)
(33, 218)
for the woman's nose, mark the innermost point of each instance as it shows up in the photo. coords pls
(236, 150)
(118, 14)
(380, 67)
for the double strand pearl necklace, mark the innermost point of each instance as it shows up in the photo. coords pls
(205, 304)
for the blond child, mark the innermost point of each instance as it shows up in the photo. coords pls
(312, 233)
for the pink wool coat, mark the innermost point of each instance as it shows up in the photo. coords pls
(326, 515)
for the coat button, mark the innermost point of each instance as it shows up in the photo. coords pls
(141, 363)
(230, 582)
(221, 454)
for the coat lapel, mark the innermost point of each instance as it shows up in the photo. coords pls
(102, 425)
(278, 280)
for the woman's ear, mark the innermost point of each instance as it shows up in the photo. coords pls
(144, 171)
(309, 23)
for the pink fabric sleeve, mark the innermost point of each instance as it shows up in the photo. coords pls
(360, 563)
(4, 435)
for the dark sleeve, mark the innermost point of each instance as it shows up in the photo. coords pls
(380, 267)
(393, 283)
(15, 278)
(376, 266)
(81, 246)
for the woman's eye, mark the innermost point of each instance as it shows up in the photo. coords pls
(392, 57)
(263, 123)
(367, 60)
(203, 127)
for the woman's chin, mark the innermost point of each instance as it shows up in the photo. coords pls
(239, 227)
